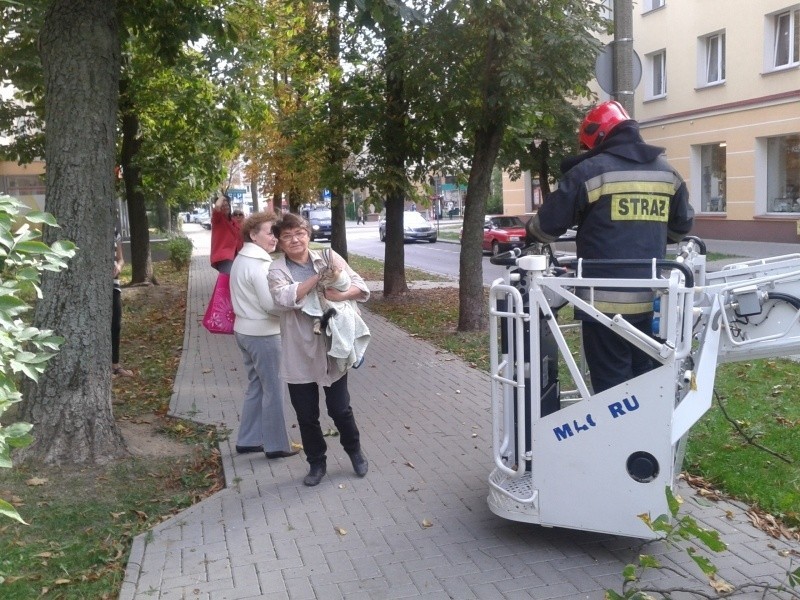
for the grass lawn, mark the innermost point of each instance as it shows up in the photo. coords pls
(81, 520)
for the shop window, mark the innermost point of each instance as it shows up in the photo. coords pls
(783, 174)
(713, 170)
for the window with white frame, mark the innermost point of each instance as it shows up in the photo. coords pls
(784, 29)
(657, 75)
(713, 48)
(783, 174)
(608, 8)
(653, 4)
(713, 172)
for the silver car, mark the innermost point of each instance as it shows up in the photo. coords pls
(416, 228)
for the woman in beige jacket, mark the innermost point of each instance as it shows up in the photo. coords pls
(306, 364)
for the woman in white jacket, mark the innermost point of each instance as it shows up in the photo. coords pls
(257, 332)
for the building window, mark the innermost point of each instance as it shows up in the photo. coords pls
(608, 9)
(653, 4)
(786, 39)
(714, 59)
(22, 185)
(657, 66)
(783, 174)
(713, 170)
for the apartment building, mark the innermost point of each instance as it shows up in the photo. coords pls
(720, 90)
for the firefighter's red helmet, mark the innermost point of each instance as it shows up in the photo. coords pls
(600, 121)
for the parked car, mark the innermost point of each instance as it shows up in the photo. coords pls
(320, 220)
(502, 233)
(198, 215)
(205, 221)
(416, 228)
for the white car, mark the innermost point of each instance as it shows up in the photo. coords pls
(416, 228)
(199, 215)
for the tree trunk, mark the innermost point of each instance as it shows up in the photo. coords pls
(338, 224)
(335, 148)
(472, 309)
(141, 261)
(254, 193)
(70, 407)
(395, 144)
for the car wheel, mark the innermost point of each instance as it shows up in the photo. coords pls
(432, 240)
(495, 248)
(382, 235)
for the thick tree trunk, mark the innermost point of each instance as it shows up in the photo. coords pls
(70, 407)
(472, 309)
(141, 260)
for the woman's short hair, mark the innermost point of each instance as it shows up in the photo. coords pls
(290, 221)
(254, 222)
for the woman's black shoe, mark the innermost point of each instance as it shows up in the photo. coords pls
(315, 475)
(360, 464)
(248, 449)
(281, 454)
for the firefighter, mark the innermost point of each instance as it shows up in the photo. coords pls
(627, 203)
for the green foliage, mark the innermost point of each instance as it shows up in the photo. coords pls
(24, 350)
(180, 252)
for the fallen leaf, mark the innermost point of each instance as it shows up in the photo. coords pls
(61, 581)
(340, 530)
(721, 586)
(36, 481)
(426, 523)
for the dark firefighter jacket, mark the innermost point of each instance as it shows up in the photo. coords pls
(626, 202)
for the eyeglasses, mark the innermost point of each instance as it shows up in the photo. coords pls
(288, 237)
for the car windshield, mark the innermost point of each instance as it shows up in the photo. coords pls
(319, 214)
(413, 219)
(507, 222)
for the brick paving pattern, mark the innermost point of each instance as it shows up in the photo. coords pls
(425, 423)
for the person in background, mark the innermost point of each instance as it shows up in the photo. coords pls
(306, 364)
(627, 203)
(262, 427)
(116, 310)
(360, 215)
(226, 239)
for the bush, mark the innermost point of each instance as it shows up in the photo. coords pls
(24, 350)
(180, 252)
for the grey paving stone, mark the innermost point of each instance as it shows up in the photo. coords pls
(267, 536)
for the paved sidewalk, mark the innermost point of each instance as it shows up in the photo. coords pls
(425, 421)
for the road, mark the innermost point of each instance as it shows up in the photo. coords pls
(440, 258)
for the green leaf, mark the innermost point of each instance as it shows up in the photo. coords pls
(672, 502)
(36, 216)
(706, 566)
(8, 510)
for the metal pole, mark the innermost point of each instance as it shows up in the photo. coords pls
(623, 54)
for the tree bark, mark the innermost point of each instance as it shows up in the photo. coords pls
(334, 150)
(70, 407)
(141, 260)
(472, 309)
(395, 145)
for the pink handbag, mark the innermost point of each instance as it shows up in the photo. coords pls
(219, 314)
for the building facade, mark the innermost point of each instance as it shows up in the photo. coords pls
(720, 91)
